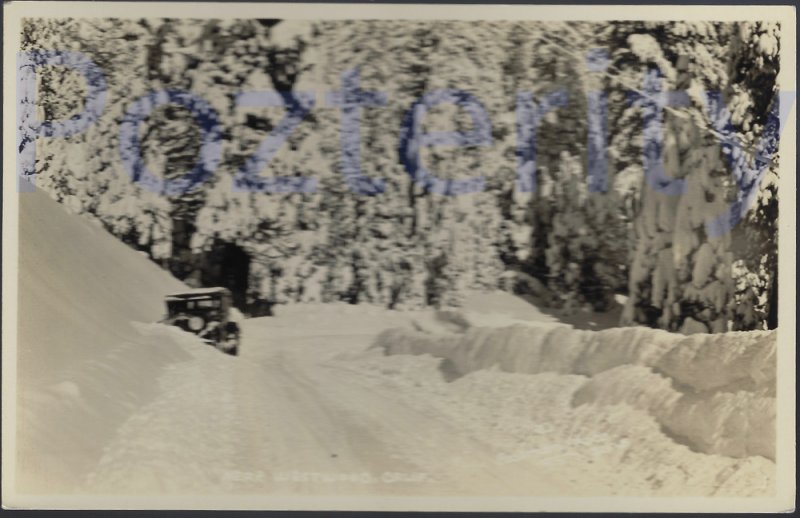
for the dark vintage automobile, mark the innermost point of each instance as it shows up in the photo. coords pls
(208, 313)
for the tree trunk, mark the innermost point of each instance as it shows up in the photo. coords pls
(772, 314)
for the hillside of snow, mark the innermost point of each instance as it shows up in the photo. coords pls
(83, 365)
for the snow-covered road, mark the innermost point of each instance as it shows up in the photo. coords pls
(310, 408)
(290, 417)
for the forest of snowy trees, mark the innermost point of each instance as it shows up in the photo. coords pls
(560, 191)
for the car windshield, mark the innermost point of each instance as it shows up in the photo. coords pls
(176, 306)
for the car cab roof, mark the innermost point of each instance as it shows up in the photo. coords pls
(198, 292)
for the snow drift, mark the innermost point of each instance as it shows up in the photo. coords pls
(83, 364)
(713, 393)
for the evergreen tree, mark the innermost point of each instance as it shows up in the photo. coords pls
(548, 183)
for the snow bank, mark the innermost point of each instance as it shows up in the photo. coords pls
(713, 393)
(63, 426)
(79, 289)
(532, 420)
(189, 435)
(84, 365)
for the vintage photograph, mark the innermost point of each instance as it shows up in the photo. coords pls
(392, 258)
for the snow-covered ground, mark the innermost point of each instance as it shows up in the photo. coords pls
(497, 398)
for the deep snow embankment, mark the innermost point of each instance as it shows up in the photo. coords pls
(714, 393)
(83, 365)
(79, 289)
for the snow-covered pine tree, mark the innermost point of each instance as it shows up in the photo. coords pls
(682, 277)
